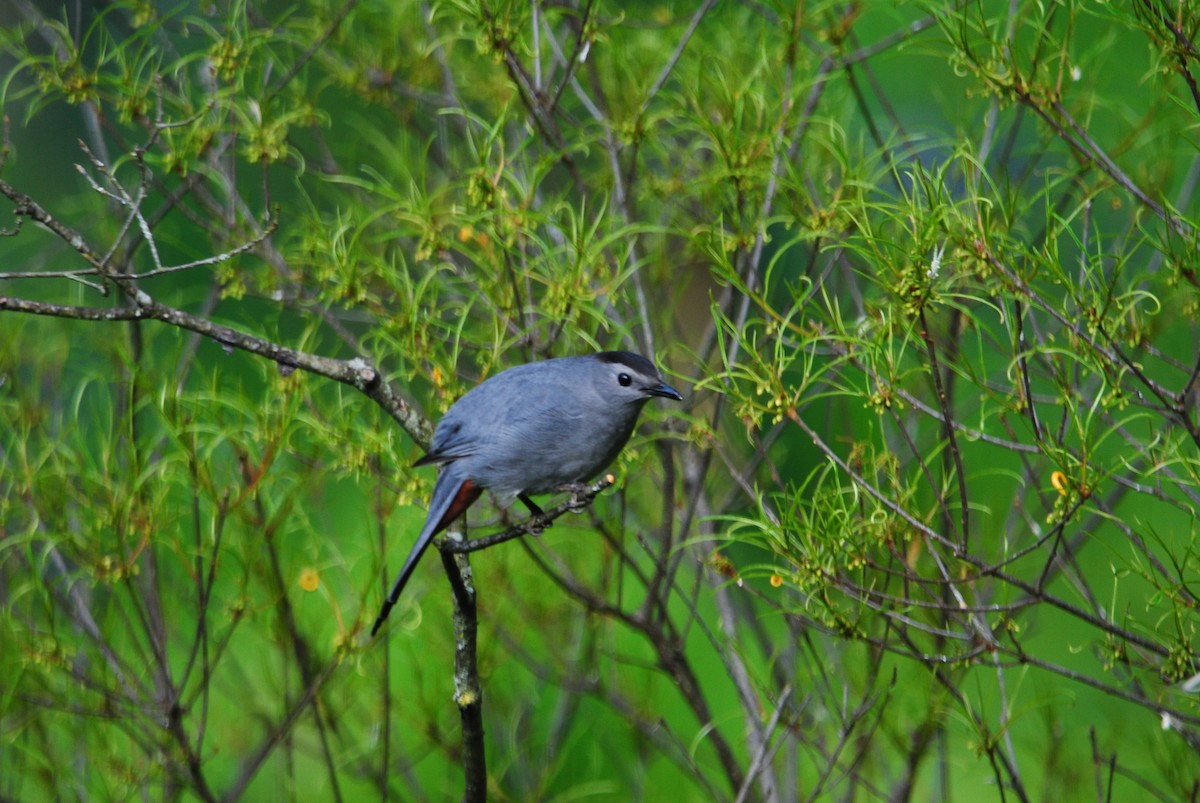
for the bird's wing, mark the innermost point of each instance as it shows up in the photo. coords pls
(514, 405)
(450, 443)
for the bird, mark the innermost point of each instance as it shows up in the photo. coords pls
(530, 430)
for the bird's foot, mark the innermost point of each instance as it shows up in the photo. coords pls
(536, 523)
(578, 491)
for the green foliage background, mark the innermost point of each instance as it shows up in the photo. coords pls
(923, 529)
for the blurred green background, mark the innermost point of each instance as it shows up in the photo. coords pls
(836, 227)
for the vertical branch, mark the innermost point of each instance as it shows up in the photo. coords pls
(468, 693)
(1023, 368)
(948, 428)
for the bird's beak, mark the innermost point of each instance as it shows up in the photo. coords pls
(664, 390)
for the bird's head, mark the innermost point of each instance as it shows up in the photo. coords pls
(629, 378)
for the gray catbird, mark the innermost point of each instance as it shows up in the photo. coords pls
(529, 430)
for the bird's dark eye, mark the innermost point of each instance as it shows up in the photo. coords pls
(625, 379)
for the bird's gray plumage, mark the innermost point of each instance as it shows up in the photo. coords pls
(529, 430)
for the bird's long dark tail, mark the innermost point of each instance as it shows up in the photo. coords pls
(452, 495)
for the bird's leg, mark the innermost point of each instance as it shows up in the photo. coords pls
(536, 513)
(532, 505)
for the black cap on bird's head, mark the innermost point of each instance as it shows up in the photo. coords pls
(638, 374)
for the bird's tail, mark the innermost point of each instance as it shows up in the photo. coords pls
(451, 496)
